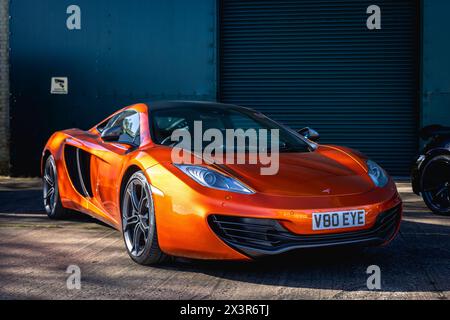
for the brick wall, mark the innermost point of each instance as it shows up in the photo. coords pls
(4, 87)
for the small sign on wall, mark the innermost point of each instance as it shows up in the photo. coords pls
(60, 85)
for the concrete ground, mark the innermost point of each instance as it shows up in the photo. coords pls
(36, 252)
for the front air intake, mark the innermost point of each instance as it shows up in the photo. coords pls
(266, 236)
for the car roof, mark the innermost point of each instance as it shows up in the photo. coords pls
(161, 105)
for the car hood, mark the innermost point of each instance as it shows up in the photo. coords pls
(325, 172)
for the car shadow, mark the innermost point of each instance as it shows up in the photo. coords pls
(417, 260)
(19, 203)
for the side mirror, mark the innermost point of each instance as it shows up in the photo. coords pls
(309, 134)
(112, 134)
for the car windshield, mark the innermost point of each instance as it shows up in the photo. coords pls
(165, 122)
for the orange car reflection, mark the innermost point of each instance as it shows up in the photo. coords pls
(121, 172)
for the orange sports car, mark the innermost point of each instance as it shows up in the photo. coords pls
(122, 172)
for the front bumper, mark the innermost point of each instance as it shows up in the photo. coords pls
(184, 211)
(262, 237)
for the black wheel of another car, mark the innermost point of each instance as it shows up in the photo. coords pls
(435, 184)
(139, 222)
(52, 201)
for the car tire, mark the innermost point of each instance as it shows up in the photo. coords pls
(139, 222)
(435, 184)
(52, 200)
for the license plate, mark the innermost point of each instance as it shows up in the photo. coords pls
(339, 220)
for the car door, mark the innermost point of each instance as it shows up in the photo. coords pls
(109, 158)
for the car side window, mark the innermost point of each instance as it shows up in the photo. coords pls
(131, 128)
(108, 123)
(102, 126)
(129, 121)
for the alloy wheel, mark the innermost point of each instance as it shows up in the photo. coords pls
(50, 186)
(138, 218)
(439, 196)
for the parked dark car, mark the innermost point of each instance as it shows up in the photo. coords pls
(431, 170)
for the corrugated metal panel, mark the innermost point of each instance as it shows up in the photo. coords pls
(315, 63)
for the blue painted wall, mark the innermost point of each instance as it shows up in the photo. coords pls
(126, 52)
(138, 50)
(435, 62)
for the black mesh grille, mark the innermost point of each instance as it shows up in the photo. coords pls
(269, 235)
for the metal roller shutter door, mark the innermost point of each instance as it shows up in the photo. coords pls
(314, 63)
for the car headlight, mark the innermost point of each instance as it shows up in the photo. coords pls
(377, 174)
(213, 179)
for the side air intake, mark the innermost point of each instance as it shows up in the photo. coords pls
(78, 163)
